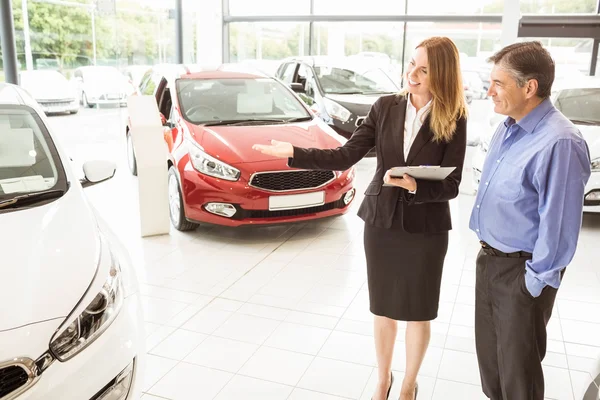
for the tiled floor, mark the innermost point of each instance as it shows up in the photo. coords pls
(282, 312)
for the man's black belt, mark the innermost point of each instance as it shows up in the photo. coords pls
(487, 249)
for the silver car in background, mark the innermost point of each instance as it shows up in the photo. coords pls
(51, 90)
(100, 85)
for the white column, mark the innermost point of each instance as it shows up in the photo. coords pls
(510, 22)
(27, 37)
(209, 32)
(93, 11)
(151, 154)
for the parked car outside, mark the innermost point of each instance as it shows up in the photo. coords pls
(53, 92)
(101, 85)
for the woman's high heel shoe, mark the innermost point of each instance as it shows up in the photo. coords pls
(416, 390)
(390, 388)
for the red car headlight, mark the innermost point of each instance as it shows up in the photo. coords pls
(209, 165)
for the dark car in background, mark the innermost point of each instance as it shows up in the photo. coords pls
(339, 90)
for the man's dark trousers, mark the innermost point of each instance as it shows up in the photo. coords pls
(510, 327)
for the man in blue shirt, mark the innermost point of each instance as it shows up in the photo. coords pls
(527, 216)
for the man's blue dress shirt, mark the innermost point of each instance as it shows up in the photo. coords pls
(530, 197)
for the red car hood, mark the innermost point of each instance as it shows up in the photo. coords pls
(233, 144)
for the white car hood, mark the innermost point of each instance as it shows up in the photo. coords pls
(49, 257)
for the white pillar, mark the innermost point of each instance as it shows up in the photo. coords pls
(26, 35)
(209, 42)
(189, 23)
(510, 22)
(93, 11)
(301, 41)
(259, 43)
(151, 154)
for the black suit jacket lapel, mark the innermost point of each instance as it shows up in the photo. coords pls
(424, 136)
(397, 117)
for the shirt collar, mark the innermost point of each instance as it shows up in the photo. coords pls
(531, 120)
(412, 107)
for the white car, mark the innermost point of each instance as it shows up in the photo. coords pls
(53, 92)
(581, 104)
(71, 325)
(100, 85)
(134, 75)
(475, 84)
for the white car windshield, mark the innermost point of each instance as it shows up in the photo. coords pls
(206, 101)
(335, 80)
(29, 162)
(581, 106)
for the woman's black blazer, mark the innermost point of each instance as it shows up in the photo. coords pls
(428, 210)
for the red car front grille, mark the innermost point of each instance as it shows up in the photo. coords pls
(291, 180)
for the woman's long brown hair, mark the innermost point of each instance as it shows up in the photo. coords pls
(446, 86)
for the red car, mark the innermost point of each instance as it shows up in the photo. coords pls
(213, 119)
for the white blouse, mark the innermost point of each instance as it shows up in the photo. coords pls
(412, 123)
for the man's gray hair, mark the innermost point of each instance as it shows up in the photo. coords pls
(525, 61)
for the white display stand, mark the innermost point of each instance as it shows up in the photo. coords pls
(151, 156)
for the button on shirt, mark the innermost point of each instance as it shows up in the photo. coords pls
(531, 193)
(413, 121)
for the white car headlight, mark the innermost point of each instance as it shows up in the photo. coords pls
(336, 111)
(94, 320)
(596, 164)
(209, 165)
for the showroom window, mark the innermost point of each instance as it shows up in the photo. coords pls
(267, 41)
(572, 56)
(558, 6)
(359, 7)
(69, 34)
(475, 41)
(376, 42)
(443, 7)
(269, 7)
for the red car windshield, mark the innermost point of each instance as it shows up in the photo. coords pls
(206, 101)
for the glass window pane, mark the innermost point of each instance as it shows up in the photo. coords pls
(67, 35)
(573, 58)
(558, 6)
(262, 45)
(464, 7)
(359, 7)
(475, 41)
(379, 43)
(269, 7)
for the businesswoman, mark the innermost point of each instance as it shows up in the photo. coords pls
(407, 223)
